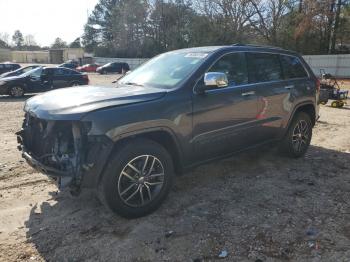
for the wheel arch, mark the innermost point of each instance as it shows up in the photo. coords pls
(162, 136)
(306, 107)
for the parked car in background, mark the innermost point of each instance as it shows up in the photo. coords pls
(7, 67)
(89, 68)
(19, 71)
(115, 67)
(71, 64)
(41, 79)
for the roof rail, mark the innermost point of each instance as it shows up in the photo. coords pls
(259, 46)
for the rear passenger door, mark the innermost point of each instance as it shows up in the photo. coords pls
(273, 93)
(61, 77)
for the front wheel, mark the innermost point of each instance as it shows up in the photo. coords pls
(298, 137)
(16, 91)
(137, 179)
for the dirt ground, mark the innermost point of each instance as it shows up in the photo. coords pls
(257, 206)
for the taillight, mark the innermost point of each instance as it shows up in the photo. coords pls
(87, 78)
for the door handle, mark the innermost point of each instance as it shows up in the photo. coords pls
(248, 93)
(289, 87)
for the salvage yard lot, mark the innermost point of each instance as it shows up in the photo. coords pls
(257, 205)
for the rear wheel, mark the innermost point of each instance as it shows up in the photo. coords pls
(16, 91)
(137, 179)
(334, 104)
(298, 137)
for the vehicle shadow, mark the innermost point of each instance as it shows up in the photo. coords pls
(5, 98)
(257, 205)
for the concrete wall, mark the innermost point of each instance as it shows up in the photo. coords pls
(5, 55)
(133, 62)
(30, 56)
(337, 65)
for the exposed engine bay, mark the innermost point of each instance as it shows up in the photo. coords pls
(54, 147)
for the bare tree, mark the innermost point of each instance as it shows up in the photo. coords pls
(232, 15)
(268, 17)
(29, 40)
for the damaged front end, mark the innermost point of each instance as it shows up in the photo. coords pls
(63, 150)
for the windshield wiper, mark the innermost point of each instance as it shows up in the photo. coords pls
(132, 84)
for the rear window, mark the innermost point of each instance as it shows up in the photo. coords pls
(263, 67)
(292, 67)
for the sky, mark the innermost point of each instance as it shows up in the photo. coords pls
(45, 19)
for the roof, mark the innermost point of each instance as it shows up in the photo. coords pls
(238, 46)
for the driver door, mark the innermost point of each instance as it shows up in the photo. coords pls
(34, 82)
(224, 118)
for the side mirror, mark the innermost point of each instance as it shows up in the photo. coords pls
(215, 79)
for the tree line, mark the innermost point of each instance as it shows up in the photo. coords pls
(144, 28)
(27, 42)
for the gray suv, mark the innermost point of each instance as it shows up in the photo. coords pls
(178, 110)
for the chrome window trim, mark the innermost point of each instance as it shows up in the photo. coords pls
(250, 84)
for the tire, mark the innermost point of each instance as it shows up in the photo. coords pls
(16, 91)
(295, 143)
(334, 104)
(75, 84)
(120, 180)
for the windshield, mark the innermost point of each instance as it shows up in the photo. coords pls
(36, 72)
(166, 70)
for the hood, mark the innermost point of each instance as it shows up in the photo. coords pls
(11, 78)
(5, 74)
(74, 102)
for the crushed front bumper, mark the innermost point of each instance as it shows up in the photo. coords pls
(94, 160)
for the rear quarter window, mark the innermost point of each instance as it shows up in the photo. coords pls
(264, 67)
(292, 67)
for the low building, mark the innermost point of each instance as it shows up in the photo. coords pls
(52, 56)
(58, 56)
(30, 57)
(5, 55)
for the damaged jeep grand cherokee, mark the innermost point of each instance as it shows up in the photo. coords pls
(178, 110)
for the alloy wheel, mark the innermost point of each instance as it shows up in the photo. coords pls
(16, 91)
(141, 180)
(301, 135)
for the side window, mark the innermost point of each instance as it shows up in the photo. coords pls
(263, 67)
(234, 66)
(61, 72)
(292, 67)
